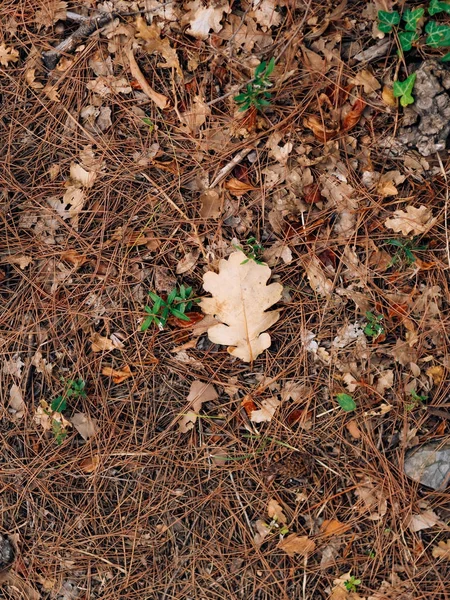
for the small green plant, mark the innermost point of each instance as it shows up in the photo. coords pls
(147, 121)
(352, 584)
(403, 90)
(346, 402)
(256, 93)
(417, 399)
(178, 302)
(373, 327)
(74, 388)
(438, 36)
(406, 249)
(253, 251)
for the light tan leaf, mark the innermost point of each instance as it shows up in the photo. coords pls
(19, 259)
(71, 204)
(294, 544)
(30, 78)
(366, 79)
(265, 414)
(202, 19)
(89, 465)
(16, 404)
(153, 43)
(200, 392)
(100, 343)
(313, 61)
(265, 13)
(211, 204)
(385, 381)
(51, 92)
(423, 520)
(387, 182)
(353, 429)
(436, 373)
(118, 375)
(275, 511)
(188, 262)
(413, 220)
(160, 100)
(340, 591)
(196, 115)
(8, 55)
(262, 531)
(278, 251)
(442, 550)
(85, 426)
(51, 11)
(372, 500)
(240, 300)
(388, 96)
(81, 176)
(318, 281)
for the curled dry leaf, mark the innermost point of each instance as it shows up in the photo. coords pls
(85, 426)
(240, 300)
(352, 118)
(151, 34)
(8, 55)
(442, 550)
(333, 527)
(202, 19)
(118, 375)
(237, 187)
(412, 220)
(200, 392)
(72, 256)
(318, 281)
(295, 544)
(90, 464)
(275, 511)
(188, 262)
(16, 405)
(100, 343)
(196, 115)
(265, 414)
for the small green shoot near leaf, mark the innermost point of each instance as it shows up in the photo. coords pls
(147, 121)
(74, 388)
(253, 251)
(178, 302)
(406, 249)
(438, 6)
(352, 584)
(346, 402)
(256, 93)
(417, 399)
(373, 327)
(59, 432)
(403, 90)
(387, 20)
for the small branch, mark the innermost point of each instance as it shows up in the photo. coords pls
(230, 166)
(160, 100)
(87, 28)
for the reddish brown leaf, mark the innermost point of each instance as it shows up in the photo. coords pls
(352, 118)
(118, 376)
(248, 405)
(194, 317)
(238, 188)
(333, 527)
(312, 194)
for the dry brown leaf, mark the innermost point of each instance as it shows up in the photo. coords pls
(16, 405)
(388, 96)
(313, 61)
(200, 392)
(353, 117)
(90, 464)
(238, 188)
(19, 259)
(51, 92)
(318, 281)
(51, 11)
(118, 375)
(294, 544)
(211, 204)
(353, 429)
(265, 414)
(436, 373)
(373, 499)
(367, 80)
(160, 100)
(340, 592)
(188, 262)
(265, 13)
(151, 34)
(275, 511)
(413, 220)
(71, 204)
(262, 531)
(100, 343)
(387, 182)
(278, 251)
(196, 115)
(423, 520)
(73, 257)
(8, 55)
(442, 550)
(333, 527)
(240, 300)
(202, 19)
(85, 426)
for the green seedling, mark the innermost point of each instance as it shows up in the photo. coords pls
(352, 584)
(417, 399)
(147, 121)
(253, 251)
(346, 402)
(178, 302)
(406, 249)
(74, 388)
(373, 327)
(256, 93)
(403, 90)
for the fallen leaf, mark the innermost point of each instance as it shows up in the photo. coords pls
(8, 55)
(442, 550)
(262, 531)
(73, 257)
(319, 130)
(340, 591)
(196, 115)
(248, 404)
(151, 34)
(353, 429)
(367, 80)
(373, 500)
(318, 281)
(198, 394)
(90, 464)
(313, 61)
(211, 204)
(413, 220)
(238, 188)
(118, 375)
(240, 300)
(387, 182)
(188, 262)
(203, 19)
(294, 544)
(51, 12)
(423, 520)
(436, 373)
(265, 414)
(16, 405)
(278, 250)
(80, 175)
(85, 426)
(275, 511)
(388, 96)
(100, 343)
(160, 100)
(19, 259)
(352, 118)
(51, 92)
(333, 527)
(265, 13)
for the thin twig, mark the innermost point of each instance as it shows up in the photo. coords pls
(447, 239)
(240, 504)
(230, 166)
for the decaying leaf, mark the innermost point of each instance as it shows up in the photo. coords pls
(118, 375)
(318, 281)
(275, 511)
(85, 425)
(367, 80)
(240, 300)
(423, 520)
(341, 592)
(211, 204)
(151, 34)
(295, 544)
(373, 500)
(333, 527)
(100, 343)
(196, 115)
(442, 550)
(16, 405)
(8, 55)
(237, 187)
(202, 19)
(188, 262)
(51, 11)
(89, 465)
(200, 392)
(265, 414)
(19, 259)
(412, 220)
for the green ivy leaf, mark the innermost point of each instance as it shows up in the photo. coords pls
(446, 57)
(346, 402)
(438, 35)
(403, 90)
(412, 18)
(387, 20)
(407, 39)
(437, 6)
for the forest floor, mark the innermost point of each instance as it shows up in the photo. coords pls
(145, 457)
